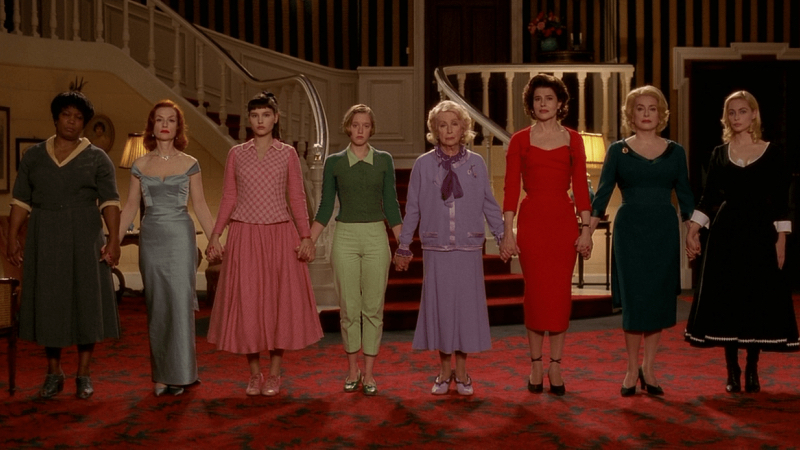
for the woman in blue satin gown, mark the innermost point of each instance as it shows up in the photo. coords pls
(166, 178)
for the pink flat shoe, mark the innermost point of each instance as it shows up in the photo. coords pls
(272, 386)
(254, 386)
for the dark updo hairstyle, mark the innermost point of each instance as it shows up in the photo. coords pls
(75, 99)
(544, 80)
(266, 99)
(181, 140)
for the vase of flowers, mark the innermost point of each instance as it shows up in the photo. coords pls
(548, 30)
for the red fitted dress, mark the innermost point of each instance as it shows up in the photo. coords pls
(547, 226)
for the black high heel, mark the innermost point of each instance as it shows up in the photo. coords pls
(734, 383)
(557, 390)
(751, 383)
(652, 390)
(628, 391)
(536, 388)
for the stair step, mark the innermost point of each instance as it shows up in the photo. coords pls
(497, 285)
(402, 315)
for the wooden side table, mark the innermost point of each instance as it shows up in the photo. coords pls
(603, 225)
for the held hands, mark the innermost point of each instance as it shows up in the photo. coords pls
(306, 251)
(215, 250)
(110, 253)
(584, 244)
(693, 240)
(508, 247)
(401, 263)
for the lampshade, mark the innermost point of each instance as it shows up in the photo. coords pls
(595, 147)
(134, 148)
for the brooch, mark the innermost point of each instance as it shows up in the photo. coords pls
(472, 172)
(624, 149)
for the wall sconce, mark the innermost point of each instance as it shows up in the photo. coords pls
(595, 146)
(134, 148)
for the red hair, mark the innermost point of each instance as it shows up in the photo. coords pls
(181, 139)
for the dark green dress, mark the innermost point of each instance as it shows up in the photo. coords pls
(67, 293)
(646, 250)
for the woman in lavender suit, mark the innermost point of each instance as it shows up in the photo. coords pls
(448, 197)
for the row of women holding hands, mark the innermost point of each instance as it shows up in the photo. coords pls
(265, 301)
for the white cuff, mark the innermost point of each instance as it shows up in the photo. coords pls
(784, 226)
(700, 218)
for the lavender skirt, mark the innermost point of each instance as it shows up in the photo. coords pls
(453, 314)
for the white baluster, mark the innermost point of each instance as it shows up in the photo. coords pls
(176, 66)
(485, 79)
(53, 20)
(559, 74)
(35, 19)
(126, 31)
(201, 91)
(223, 100)
(2, 16)
(151, 53)
(604, 77)
(17, 18)
(462, 79)
(99, 37)
(509, 101)
(243, 114)
(581, 101)
(488, 142)
(76, 23)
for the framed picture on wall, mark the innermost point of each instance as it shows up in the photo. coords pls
(5, 147)
(23, 144)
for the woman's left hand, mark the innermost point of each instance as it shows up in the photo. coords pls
(306, 251)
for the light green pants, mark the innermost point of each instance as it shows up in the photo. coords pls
(360, 258)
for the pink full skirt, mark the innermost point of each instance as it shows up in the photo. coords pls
(264, 299)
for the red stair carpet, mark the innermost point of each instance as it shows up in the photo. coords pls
(312, 412)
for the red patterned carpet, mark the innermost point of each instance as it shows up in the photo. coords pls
(312, 412)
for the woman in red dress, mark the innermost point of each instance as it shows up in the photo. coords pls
(548, 158)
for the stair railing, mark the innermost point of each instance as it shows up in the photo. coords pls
(302, 114)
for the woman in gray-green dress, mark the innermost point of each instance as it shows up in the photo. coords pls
(166, 178)
(66, 184)
(645, 263)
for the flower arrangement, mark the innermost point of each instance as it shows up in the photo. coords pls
(546, 25)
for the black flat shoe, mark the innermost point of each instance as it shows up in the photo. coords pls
(627, 391)
(751, 384)
(652, 390)
(734, 383)
(84, 387)
(557, 390)
(535, 388)
(53, 384)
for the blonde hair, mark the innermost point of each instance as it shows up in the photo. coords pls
(755, 126)
(356, 109)
(460, 112)
(630, 100)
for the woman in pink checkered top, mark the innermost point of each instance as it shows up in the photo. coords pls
(264, 300)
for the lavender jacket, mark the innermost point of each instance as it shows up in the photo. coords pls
(452, 224)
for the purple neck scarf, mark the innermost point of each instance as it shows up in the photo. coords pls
(450, 184)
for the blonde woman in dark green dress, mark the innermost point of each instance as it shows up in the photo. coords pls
(69, 187)
(645, 263)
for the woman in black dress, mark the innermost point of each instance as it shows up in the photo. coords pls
(743, 299)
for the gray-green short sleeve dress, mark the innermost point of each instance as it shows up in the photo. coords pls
(67, 292)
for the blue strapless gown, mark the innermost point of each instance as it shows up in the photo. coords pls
(168, 263)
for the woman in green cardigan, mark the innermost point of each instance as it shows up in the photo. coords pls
(363, 179)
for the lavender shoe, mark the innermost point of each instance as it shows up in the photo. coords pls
(464, 388)
(440, 387)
